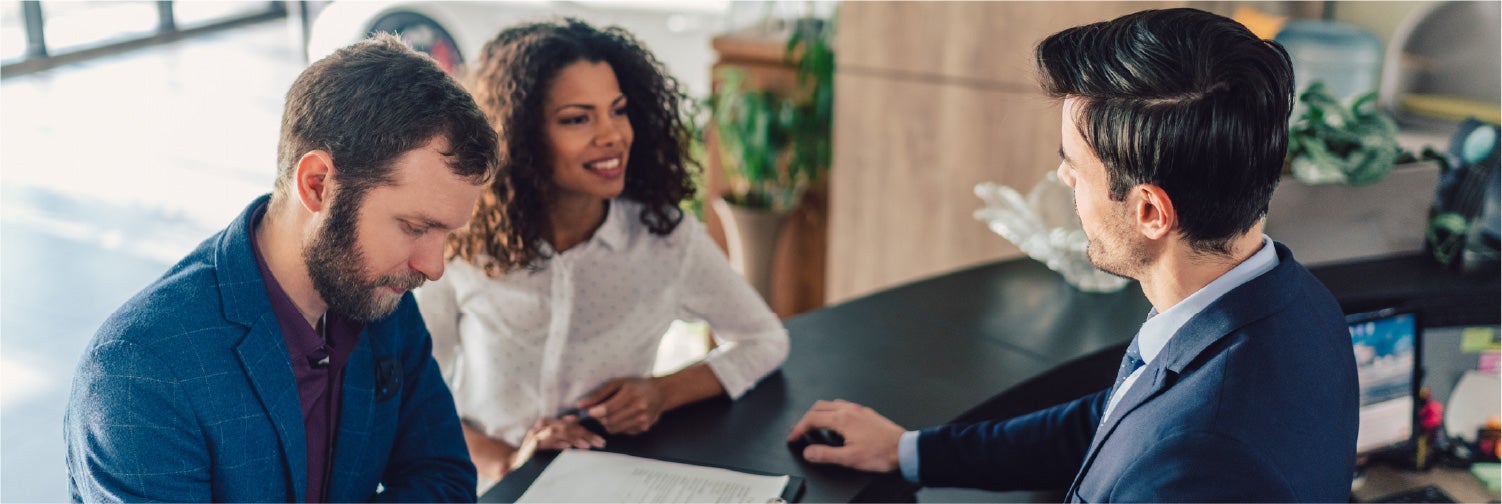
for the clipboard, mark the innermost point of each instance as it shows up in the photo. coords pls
(528, 472)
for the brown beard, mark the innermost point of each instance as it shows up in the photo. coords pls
(335, 262)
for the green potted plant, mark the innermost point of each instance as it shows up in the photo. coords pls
(1332, 143)
(1355, 192)
(774, 146)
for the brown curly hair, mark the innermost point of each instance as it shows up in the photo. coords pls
(510, 82)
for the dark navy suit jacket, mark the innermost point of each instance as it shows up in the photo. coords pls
(1253, 399)
(187, 394)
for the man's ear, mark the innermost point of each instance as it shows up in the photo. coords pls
(1152, 212)
(314, 180)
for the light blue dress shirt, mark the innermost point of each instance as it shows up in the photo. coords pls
(1151, 338)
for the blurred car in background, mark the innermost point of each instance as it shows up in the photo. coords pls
(678, 32)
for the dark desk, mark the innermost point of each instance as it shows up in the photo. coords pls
(1442, 297)
(922, 354)
(989, 341)
(1382, 481)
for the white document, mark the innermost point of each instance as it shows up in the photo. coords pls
(591, 476)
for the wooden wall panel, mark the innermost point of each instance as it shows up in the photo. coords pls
(908, 156)
(987, 42)
(932, 98)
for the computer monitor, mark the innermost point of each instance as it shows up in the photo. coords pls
(1386, 362)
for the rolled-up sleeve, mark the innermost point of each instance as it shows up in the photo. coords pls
(751, 341)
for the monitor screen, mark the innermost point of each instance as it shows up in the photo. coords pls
(1385, 357)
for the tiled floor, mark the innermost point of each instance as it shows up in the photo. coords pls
(110, 171)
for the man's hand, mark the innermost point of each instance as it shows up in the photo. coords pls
(870, 439)
(625, 405)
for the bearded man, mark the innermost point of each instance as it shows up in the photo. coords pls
(284, 359)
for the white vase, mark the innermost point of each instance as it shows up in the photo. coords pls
(1044, 227)
(751, 236)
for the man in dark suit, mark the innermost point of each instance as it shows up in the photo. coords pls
(284, 360)
(1241, 384)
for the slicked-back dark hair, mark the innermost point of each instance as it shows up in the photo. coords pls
(371, 102)
(1183, 99)
(515, 71)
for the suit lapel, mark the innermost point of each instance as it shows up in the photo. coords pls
(1252, 301)
(1141, 391)
(263, 351)
(356, 405)
(264, 356)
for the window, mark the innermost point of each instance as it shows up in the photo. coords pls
(70, 26)
(195, 14)
(12, 31)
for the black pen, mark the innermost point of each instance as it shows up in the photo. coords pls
(589, 423)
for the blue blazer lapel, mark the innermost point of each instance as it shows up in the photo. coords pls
(1152, 381)
(356, 405)
(1257, 299)
(263, 350)
(263, 353)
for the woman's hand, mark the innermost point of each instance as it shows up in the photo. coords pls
(553, 434)
(626, 405)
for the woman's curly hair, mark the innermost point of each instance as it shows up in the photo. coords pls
(510, 82)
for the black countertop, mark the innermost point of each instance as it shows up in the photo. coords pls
(986, 342)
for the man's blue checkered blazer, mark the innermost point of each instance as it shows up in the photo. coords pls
(187, 394)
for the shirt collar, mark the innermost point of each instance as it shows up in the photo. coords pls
(611, 234)
(1160, 327)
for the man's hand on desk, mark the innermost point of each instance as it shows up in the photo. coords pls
(870, 439)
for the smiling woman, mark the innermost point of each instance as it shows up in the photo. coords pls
(589, 138)
(568, 99)
(578, 258)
